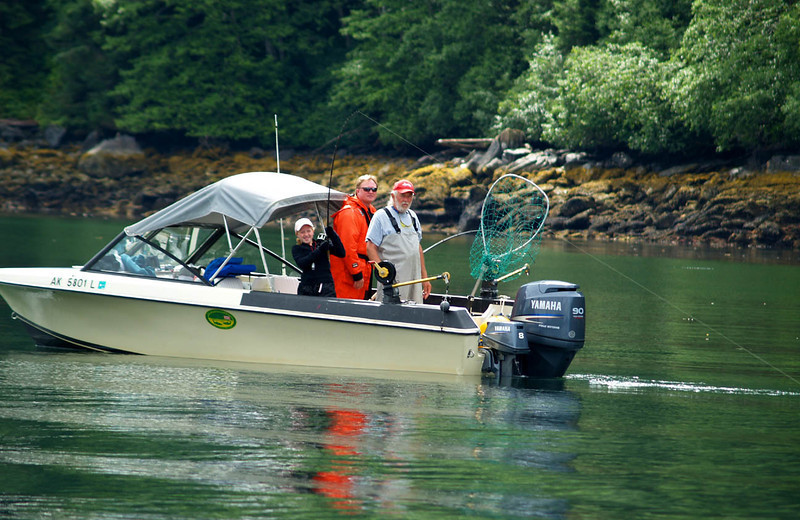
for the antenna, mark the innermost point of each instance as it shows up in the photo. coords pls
(277, 150)
(278, 159)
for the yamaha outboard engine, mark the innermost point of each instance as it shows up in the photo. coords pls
(554, 318)
(505, 341)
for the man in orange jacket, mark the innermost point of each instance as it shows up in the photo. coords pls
(351, 274)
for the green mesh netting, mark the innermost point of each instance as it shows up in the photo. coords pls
(513, 214)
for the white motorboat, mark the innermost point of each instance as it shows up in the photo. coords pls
(195, 280)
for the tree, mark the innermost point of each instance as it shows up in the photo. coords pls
(577, 23)
(740, 73)
(529, 104)
(204, 68)
(613, 97)
(429, 68)
(23, 60)
(81, 74)
(533, 19)
(656, 24)
(222, 68)
(603, 95)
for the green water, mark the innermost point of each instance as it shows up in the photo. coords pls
(684, 403)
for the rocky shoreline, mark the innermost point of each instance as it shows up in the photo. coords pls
(715, 202)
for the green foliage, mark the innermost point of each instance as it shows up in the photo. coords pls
(613, 97)
(533, 20)
(81, 73)
(529, 104)
(609, 97)
(740, 73)
(577, 22)
(791, 114)
(656, 24)
(206, 68)
(604, 95)
(648, 75)
(23, 58)
(428, 68)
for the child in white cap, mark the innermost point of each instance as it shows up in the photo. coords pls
(311, 255)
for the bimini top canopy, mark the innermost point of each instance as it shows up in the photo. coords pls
(246, 200)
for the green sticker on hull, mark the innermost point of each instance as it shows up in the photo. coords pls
(221, 319)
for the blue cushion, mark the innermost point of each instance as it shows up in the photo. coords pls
(234, 267)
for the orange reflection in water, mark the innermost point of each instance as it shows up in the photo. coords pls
(341, 438)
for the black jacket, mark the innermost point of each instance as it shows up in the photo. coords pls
(313, 259)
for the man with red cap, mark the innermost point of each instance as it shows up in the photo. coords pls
(351, 274)
(394, 235)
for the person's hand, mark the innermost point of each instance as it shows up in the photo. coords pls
(329, 231)
(359, 284)
(426, 290)
(325, 244)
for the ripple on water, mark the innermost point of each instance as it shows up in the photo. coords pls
(634, 384)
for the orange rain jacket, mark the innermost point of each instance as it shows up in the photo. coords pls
(351, 223)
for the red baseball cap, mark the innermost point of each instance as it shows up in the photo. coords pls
(403, 186)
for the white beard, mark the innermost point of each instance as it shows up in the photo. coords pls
(397, 205)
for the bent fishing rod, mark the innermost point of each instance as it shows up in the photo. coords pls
(333, 161)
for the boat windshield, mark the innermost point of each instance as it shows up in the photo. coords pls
(182, 253)
(167, 253)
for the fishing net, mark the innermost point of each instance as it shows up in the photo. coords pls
(512, 217)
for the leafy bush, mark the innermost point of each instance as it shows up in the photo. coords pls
(608, 97)
(529, 105)
(740, 76)
(613, 97)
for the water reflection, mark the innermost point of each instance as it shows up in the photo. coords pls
(540, 406)
(381, 457)
(357, 444)
(342, 435)
(340, 440)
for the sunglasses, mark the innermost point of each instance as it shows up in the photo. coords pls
(369, 189)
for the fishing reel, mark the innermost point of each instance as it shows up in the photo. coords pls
(385, 273)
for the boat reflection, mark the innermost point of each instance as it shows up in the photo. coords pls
(378, 452)
(358, 442)
(340, 441)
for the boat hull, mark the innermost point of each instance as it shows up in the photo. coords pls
(118, 313)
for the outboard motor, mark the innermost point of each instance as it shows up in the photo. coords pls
(554, 318)
(505, 341)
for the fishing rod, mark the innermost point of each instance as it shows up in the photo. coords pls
(442, 241)
(444, 276)
(387, 274)
(333, 160)
(277, 148)
(396, 134)
(514, 273)
(336, 148)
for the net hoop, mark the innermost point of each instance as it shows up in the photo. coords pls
(514, 209)
(481, 232)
